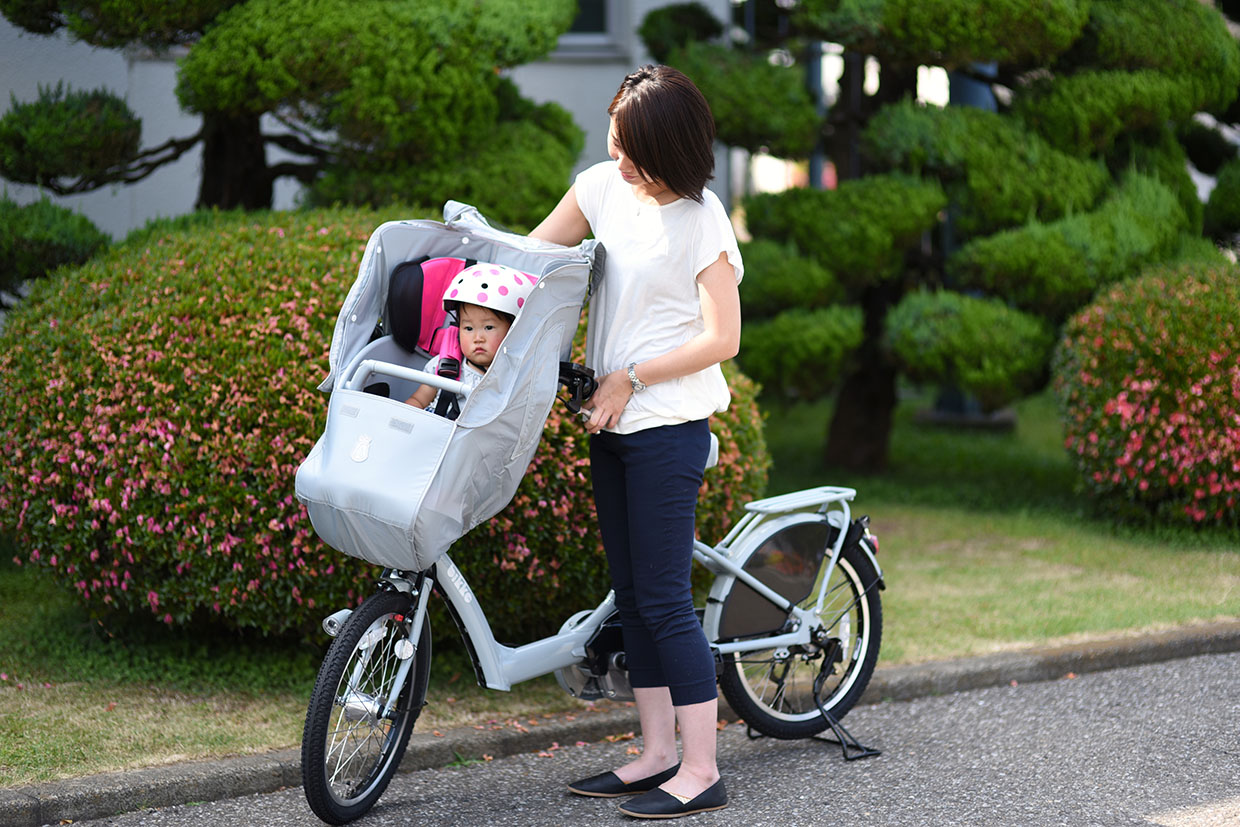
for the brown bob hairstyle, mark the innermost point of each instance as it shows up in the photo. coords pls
(663, 122)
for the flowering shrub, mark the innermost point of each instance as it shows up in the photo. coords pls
(1149, 380)
(157, 404)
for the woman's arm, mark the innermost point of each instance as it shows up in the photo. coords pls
(719, 341)
(566, 224)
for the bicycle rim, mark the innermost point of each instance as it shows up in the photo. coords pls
(352, 746)
(773, 689)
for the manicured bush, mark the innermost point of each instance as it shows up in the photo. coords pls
(996, 173)
(1136, 65)
(859, 230)
(159, 399)
(778, 277)
(67, 134)
(948, 33)
(1222, 211)
(980, 346)
(516, 176)
(1009, 31)
(1184, 38)
(1148, 377)
(1159, 155)
(672, 27)
(1052, 269)
(37, 238)
(1084, 113)
(802, 352)
(733, 80)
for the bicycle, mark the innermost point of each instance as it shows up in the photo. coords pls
(793, 616)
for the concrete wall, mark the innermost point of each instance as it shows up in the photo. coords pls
(581, 76)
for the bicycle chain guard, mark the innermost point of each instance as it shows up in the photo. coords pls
(602, 672)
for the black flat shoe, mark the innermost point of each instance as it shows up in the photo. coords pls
(609, 785)
(660, 804)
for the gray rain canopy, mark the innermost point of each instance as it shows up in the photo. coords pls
(396, 485)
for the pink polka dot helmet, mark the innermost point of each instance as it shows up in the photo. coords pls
(493, 286)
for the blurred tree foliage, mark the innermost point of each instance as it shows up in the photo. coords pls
(959, 239)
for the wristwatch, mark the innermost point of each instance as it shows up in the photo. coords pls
(638, 385)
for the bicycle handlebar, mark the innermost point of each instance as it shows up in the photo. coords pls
(371, 366)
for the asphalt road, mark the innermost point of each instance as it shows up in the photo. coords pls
(1156, 744)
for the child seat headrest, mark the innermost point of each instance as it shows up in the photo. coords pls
(414, 310)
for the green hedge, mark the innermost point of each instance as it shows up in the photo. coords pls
(1136, 65)
(1185, 39)
(66, 134)
(1052, 269)
(159, 399)
(758, 105)
(1222, 211)
(672, 27)
(802, 352)
(1084, 113)
(949, 32)
(1158, 154)
(778, 277)
(860, 230)
(1148, 377)
(978, 345)
(38, 238)
(996, 173)
(516, 177)
(1007, 31)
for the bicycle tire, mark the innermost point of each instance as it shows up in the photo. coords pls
(348, 752)
(772, 690)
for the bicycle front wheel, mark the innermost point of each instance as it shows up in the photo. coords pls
(773, 689)
(354, 736)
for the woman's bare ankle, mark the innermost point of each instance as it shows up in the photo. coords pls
(645, 766)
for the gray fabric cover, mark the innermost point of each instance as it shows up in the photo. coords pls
(396, 485)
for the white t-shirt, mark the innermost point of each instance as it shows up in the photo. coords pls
(647, 303)
(470, 376)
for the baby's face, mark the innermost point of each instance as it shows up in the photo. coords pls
(482, 330)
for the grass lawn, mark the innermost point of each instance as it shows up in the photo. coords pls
(985, 547)
(983, 544)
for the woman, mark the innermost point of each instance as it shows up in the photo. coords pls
(665, 316)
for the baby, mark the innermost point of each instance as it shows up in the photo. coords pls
(486, 299)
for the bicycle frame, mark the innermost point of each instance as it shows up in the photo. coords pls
(499, 666)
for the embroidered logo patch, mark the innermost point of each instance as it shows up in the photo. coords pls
(361, 451)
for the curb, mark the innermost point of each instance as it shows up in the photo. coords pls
(110, 794)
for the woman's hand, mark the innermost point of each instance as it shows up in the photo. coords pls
(607, 403)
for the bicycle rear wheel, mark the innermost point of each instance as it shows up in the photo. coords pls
(350, 747)
(773, 689)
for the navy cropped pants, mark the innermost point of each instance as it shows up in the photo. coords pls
(646, 491)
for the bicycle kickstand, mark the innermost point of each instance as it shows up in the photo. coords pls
(851, 748)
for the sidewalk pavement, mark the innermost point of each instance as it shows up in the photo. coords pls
(110, 794)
